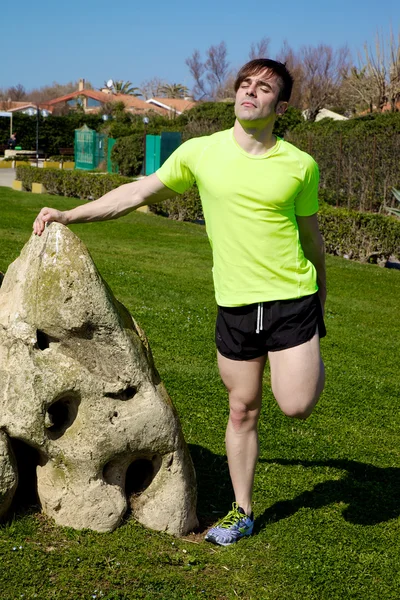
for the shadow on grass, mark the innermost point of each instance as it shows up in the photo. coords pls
(371, 493)
(214, 489)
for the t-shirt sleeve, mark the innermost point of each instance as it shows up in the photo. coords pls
(306, 202)
(176, 172)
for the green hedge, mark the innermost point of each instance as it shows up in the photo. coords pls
(128, 154)
(55, 132)
(366, 237)
(75, 184)
(186, 207)
(358, 159)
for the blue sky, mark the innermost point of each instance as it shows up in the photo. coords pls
(63, 41)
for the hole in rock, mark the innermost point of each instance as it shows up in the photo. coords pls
(126, 394)
(1, 278)
(43, 340)
(26, 496)
(61, 414)
(140, 474)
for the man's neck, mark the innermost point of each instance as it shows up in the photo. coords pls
(254, 140)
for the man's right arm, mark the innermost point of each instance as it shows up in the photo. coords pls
(112, 205)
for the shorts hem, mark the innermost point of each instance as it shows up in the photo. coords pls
(239, 358)
(295, 343)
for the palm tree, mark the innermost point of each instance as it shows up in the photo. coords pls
(119, 86)
(174, 90)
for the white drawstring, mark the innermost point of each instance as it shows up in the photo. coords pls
(260, 314)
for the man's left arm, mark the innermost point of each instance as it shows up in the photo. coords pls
(314, 250)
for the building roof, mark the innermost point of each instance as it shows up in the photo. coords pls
(178, 105)
(132, 103)
(163, 106)
(23, 106)
(94, 94)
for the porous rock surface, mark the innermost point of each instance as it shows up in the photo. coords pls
(78, 385)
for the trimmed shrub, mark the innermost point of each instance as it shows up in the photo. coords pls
(358, 158)
(128, 154)
(365, 237)
(184, 207)
(75, 184)
(55, 132)
(360, 236)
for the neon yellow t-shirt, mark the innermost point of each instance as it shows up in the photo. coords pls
(250, 205)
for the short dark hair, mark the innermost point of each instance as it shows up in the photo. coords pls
(277, 68)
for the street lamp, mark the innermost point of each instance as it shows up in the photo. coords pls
(45, 113)
(145, 123)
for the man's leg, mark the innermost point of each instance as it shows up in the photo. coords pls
(243, 380)
(297, 378)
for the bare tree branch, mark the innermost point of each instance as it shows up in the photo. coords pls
(211, 76)
(323, 69)
(151, 87)
(197, 69)
(260, 49)
(17, 93)
(217, 67)
(288, 57)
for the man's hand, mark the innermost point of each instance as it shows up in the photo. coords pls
(48, 215)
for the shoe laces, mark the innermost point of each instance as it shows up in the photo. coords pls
(232, 517)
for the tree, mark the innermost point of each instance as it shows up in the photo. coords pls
(119, 86)
(151, 87)
(210, 76)
(173, 90)
(394, 71)
(55, 90)
(323, 70)
(288, 57)
(375, 83)
(382, 66)
(197, 69)
(16, 93)
(260, 49)
(358, 90)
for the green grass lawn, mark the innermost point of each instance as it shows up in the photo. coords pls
(327, 490)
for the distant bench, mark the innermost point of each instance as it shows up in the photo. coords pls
(66, 151)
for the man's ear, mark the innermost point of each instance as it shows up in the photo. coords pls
(281, 108)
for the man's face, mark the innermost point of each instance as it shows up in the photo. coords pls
(257, 99)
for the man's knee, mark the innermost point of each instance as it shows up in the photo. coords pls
(299, 408)
(298, 412)
(243, 412)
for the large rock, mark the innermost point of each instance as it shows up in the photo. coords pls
(8, 473)
(78, 384)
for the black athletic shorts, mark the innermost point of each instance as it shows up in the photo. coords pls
(246, 332)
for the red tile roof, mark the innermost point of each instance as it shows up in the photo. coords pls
(132, 103)
(94, 94)
(163, 106)
(24, 105)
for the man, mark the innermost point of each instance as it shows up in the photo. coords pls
(12, 142)
(259, 196)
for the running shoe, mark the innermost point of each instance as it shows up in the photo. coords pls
(231, 528)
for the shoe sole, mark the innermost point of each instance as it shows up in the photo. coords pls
(213, 541)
